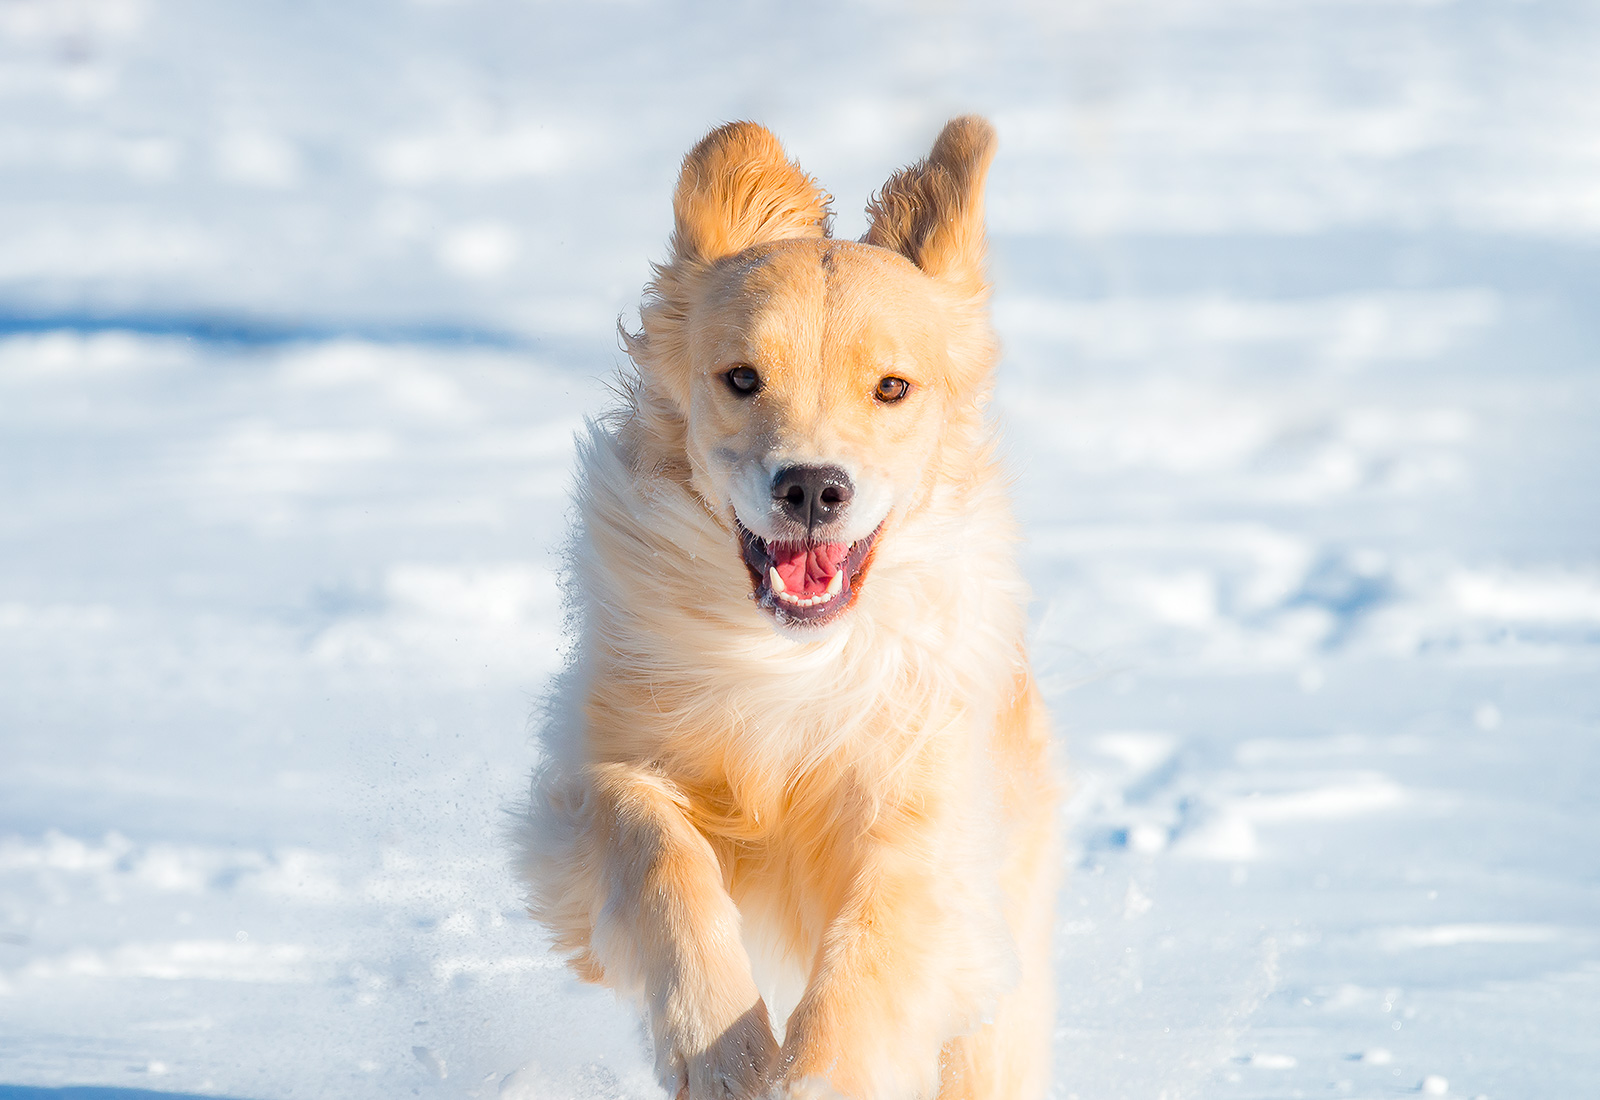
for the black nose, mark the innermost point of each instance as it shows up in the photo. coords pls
(813, 495)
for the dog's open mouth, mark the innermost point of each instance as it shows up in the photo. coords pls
(806, 581)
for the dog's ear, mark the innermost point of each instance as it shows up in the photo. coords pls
(932, 212)
(738, 189)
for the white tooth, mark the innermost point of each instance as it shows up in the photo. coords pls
(775, 580)
(836, 585)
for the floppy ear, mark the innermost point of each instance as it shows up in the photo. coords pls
(932, 212)
(737, 189)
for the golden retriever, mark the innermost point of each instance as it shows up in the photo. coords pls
(797, 773)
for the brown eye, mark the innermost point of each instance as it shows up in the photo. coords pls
(743, 380)
(891, 389)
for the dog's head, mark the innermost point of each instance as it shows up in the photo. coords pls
(814, 384)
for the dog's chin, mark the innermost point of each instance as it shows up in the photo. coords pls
(806, 585)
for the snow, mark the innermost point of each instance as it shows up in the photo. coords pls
(301, 305)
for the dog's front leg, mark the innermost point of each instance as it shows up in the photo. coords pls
(912, 958)
(667, 930)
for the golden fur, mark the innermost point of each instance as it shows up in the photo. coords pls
(844, 830)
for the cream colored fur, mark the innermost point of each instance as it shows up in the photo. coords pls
(844, 832)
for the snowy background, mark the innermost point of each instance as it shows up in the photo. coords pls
(301, 304)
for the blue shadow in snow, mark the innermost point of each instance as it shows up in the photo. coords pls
(255, 332)
(1346, 590)
(93, 1092)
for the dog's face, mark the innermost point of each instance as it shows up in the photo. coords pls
(815, 378)
(821, 380)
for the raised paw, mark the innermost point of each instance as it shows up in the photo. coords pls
(805, 1088)
(737, 1065)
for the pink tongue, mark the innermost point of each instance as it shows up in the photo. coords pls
(806, 570)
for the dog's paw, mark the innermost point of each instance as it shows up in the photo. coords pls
(805, 1088)
(738, 1065)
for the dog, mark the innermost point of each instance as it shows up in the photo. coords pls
(797, 772)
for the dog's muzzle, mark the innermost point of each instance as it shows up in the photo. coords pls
(807, 574)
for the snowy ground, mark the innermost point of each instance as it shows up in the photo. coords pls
(301, 304)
